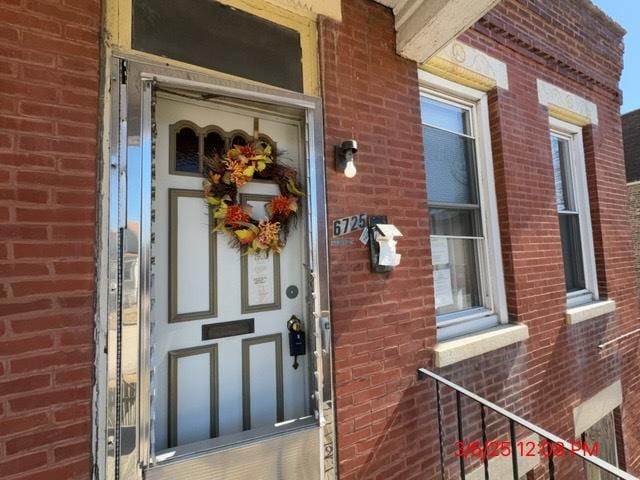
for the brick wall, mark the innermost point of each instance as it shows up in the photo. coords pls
(48, 129)
(634, 211)
(384, 325)
(381, 322)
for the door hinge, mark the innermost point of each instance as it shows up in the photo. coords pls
(123, 72)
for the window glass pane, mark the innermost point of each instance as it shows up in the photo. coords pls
(187, 151)
(572, 252)
(443, 115)
(456, 222)
(455, 274)
(214, 144)
(561, 172)
(238, 140)
(450, 164)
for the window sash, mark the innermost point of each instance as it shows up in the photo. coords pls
(485, 308)
(577, 192)
(494, 310)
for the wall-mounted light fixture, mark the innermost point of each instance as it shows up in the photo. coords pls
(345, 156)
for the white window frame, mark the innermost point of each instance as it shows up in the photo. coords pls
(573, 133)
(494, 311)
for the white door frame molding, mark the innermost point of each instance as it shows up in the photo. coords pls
(123, 424)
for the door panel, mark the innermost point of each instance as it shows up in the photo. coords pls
(189, 231)
(207, 388)
(262, 381)
(193, 399)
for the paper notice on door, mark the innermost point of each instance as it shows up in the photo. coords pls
(261, 279)
(439, 251)
(442, 286)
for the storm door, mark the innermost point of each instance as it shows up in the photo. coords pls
(221, 361)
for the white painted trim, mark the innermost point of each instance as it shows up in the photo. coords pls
(491, 262)
(550, 95)
(424, 26)
(589, 311)
(469, 346)
(573, 133)
(502, 467)
(475, 61)
(591, 411)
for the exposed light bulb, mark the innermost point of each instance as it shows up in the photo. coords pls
(350, 169)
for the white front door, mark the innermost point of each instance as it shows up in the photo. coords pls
(220, 344)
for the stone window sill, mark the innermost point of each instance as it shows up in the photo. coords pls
(589, 311)
(475, 344)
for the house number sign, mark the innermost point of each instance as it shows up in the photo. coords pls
(346, 225)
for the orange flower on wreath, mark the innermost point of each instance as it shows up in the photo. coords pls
(269, 235)
(236, 216)
(238, 172)
(249, 151)
(281, 205)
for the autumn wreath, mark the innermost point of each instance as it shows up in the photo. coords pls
(224, 174)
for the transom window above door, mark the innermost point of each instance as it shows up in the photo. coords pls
(465, 249)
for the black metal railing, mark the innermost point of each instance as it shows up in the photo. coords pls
(551, 440)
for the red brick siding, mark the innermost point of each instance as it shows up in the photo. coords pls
(384, 324)
(49, 61)
(381, 322)
(634, 210)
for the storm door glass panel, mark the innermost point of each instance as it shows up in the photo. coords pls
(569, 216)
(187, 151)
(457, 238)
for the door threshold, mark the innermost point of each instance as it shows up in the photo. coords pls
(227, 442)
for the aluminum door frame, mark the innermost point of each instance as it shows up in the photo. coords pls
(130, 156)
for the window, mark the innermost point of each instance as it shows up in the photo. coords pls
(466, 257)
(572, 201)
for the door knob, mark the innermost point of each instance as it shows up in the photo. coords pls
(294, 324)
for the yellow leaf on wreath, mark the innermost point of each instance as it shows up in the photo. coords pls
(291, 186)
(245, 236)
(248, 172)
(221, 211)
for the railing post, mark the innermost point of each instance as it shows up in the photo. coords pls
(460, 434)
(440, 433)
(514, 450)
(484, 442)
(552, 467)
